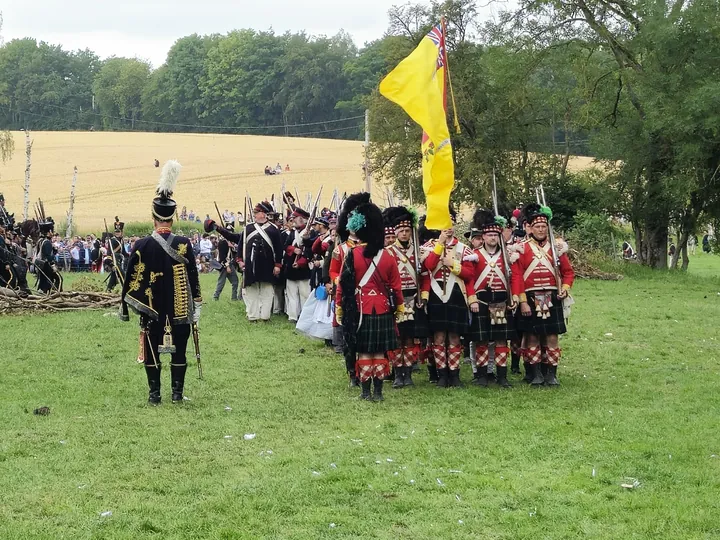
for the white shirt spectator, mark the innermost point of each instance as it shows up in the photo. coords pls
(205, 247)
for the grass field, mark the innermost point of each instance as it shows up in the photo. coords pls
(638, 399)
(117, 177)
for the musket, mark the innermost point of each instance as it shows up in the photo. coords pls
(333, 200)
(222, 220)
(308, 226)
(297, 197)
(503, 247)
(196, 339)
(245, 235)
(553, 248)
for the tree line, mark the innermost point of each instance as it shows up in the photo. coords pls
(634, 83)
(247, 81)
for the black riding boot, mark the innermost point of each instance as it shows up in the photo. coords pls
(454, 380)
(537, 376)
(408, 376)
(153, 377)
(378, 384)
(528, 373)
(354, 381)
(551, 378)
(443, 374)
(515, 364)
(177, 378)
(481, 377)
(399, 381)
(502, 377)
(366, 390)
(432, 374)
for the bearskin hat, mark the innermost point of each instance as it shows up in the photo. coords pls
(366, 221)
(352, 202)
(534, 212)
(486, 221)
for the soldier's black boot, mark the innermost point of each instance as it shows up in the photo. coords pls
(153, 377)
(177, 379)
(366, 390)
(399, 381)
(442, 381)
(432, 374)
(551, 378)
(354, 381)
(408, 376)
(502, 377)
(544, 369)
(515, 364)
(378, 384)
(454, 381)
(527, 379)
(537, 376)
(481, 377)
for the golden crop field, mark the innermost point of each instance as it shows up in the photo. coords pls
(116, 173)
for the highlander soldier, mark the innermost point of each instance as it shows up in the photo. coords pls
(412, 322)
(539, 284)
(493, 322)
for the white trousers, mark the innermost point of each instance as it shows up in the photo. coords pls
(279, 304)
(259, 301)
(296, 294)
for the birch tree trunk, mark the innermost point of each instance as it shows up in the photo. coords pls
(69, 231)
(26, 196)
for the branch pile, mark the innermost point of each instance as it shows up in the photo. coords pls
(12, 303)
(585, 270)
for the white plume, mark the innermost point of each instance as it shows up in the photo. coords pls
(168, 178)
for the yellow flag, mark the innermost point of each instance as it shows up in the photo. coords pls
(417, 84)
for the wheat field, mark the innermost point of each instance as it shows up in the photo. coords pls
(117, 177)
(116, 173)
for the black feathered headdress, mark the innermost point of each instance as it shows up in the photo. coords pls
(352, 202)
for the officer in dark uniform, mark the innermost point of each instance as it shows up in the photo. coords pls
(162, 286)
(48, 276)
(116, 260)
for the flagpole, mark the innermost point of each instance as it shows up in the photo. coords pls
(449, 79)
(368, 183)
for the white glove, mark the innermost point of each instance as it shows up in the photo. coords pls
(196, 311)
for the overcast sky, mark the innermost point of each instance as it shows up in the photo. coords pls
(147, 29)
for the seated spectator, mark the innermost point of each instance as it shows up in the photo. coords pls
(206, 246)
(287, 168)
(183, 214)
(191, 216)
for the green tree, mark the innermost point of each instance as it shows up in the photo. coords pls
(119, 87)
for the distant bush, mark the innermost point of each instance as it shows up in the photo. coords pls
(143, 228)
(595, 233)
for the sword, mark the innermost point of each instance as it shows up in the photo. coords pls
(196, 339)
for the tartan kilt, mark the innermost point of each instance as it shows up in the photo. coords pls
(481, 331)
(452, 316)
(554, 325)
(377, 334)
(418, 327)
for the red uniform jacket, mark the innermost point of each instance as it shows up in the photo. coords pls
(533, 269)
(405, 260)
(320, 245)
(489, 271)
(462, 269)
(373, 296)
(338, 258)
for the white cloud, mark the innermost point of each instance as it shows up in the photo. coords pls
(147, 29)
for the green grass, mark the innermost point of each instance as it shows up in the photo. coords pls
(640, 403)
